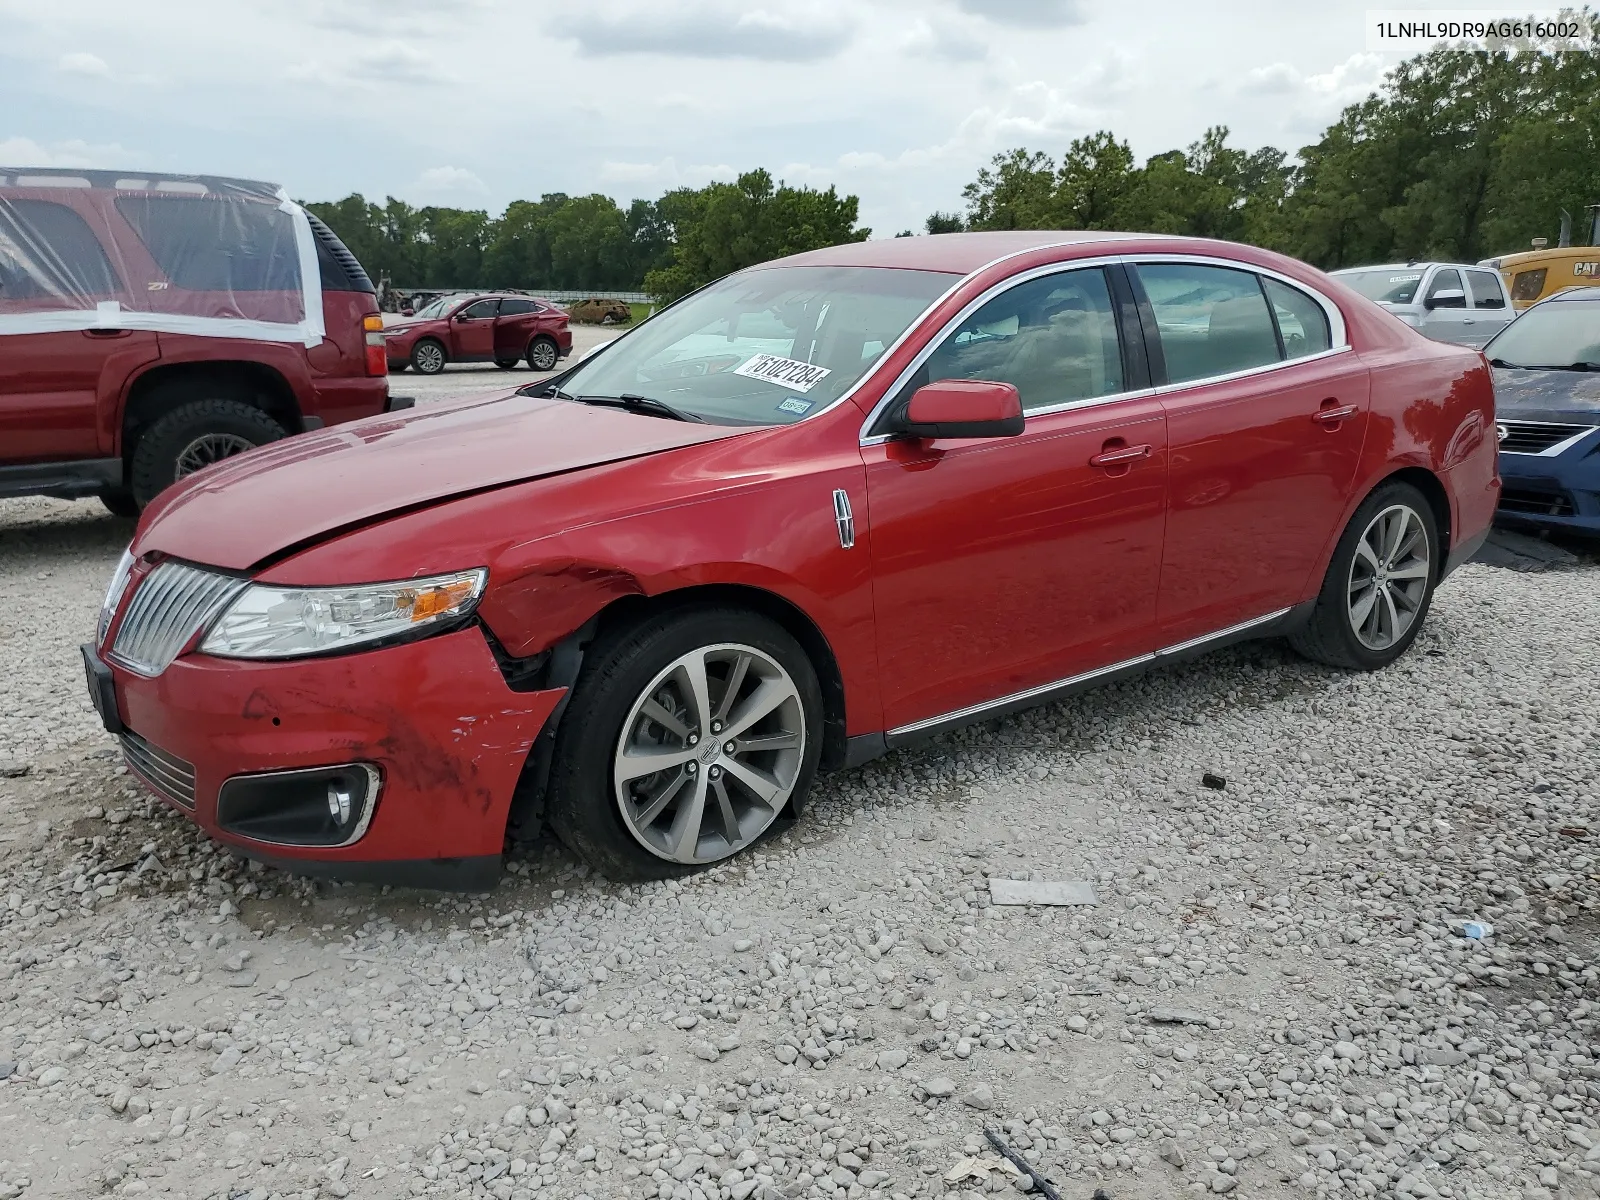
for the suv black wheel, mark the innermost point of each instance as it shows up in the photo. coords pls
(428, 357)
(686, 740)
(505, 364)
(543, 353)
(119, 502)
(1379, 584)
(193, 436)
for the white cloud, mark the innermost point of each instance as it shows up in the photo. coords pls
(713, 29)
(454, 181)
(1275, 79)
(1029, 14)
(954, 41)
(389, 64)
(666, 173)
(20, 151)
(83, 63)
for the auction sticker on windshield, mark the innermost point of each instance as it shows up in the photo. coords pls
(790, 372)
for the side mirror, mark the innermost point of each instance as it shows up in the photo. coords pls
(963, 408)
(408, 312)
(1446, 298)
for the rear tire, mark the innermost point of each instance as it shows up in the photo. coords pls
(543, 353)
(1379, 584)
(505, 364)
(119, 502)
(428, 357)
(194, 436)
(706, 803)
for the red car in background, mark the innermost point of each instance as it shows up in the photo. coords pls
(120, 411)
(501, 329)
(818, 510)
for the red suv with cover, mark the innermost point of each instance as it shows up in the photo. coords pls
(153, 324)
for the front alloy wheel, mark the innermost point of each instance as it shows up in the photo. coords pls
(1389, 575)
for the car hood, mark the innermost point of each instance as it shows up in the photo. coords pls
(250, 509)
(1521, 394)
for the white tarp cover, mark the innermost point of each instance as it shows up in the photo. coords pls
(190, 254)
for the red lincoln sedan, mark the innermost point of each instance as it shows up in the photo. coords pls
(815, 511)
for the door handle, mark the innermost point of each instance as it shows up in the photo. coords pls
(1468, 321)
(1121, 455)
(1332, 416)
(107, 333)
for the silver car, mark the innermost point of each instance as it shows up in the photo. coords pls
(1449, 302)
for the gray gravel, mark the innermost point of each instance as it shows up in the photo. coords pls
(1273, 997)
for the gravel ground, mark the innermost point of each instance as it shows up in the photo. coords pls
(469, 378)
(1273, 996)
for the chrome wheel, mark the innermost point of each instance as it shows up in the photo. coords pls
(209, 448)
(1389, 577)
(709, 754)
(542, 356)
(428, 358)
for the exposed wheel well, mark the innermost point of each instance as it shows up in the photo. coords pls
(630, 610)
(161, 389)
(1426, 482)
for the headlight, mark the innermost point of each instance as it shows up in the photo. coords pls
(277, 622)
(119, 584)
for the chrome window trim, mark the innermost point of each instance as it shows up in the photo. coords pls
(1553, 450)
(1337, 330)
(374, 783)
(1045, 689)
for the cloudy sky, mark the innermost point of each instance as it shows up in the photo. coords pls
(479, 102)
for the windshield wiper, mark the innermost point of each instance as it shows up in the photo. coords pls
(642, 404)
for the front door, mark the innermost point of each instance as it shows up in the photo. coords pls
(1445, 315)
(1490, 312)
(472, 332)
(1005, 564)
(1264, 447)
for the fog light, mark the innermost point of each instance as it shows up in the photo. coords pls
(318, 806)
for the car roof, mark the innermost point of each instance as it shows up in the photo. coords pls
(958, 253)
(155, 181)
(1567, 295)
(1409, 266)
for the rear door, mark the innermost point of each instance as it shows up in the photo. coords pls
(52, 384)
(514, 328)
(1265, 421)
(472, 331)
(1491, 310)
(1445, 315)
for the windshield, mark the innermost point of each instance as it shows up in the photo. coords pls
(1388, 285)
(766, 346)
(438, 307)
(1562, 334)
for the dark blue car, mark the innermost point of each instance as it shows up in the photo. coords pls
(1547, 412)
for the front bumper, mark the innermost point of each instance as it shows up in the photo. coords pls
(435, 717)
(1556, 494)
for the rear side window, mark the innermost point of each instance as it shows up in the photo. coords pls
(1211, 320)
(514, 308)
(1486, 291)
(1527, 285)
(217, 244)
(1302, 323)
(47, 249)
(1053, 338)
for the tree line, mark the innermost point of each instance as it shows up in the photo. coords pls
(1457, 155)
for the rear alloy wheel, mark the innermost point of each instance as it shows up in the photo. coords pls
(194, 436)
(1379, 585)
(543, 354)
(427, 357)
(686, 741)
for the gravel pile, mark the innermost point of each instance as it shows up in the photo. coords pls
(1274, 997)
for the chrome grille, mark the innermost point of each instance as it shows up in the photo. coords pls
(1535, 437)
(169, 607)
(167, 773)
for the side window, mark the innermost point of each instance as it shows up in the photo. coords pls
(47, 249)
(1302, 323)
(516, 308)
(1211, 320)
(1446, 281)
(1486, 291)
(483, 308)
(1527, 286)
(217, 244)
(1053, 338)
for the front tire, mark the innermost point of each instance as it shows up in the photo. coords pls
(1379, 584)
(428, 357)
(194, 436)
(505, 364)
(543, 353)
(686, 740)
